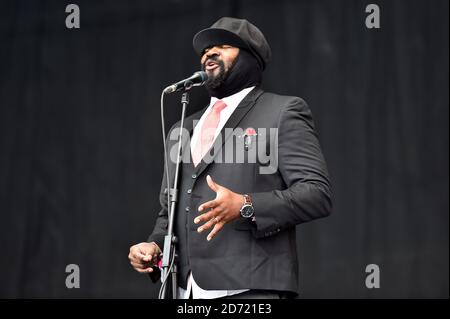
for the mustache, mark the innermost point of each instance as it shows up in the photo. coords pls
(213, 59)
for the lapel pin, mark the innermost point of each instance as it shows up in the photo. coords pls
(248, 134)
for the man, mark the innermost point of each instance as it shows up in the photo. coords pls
(235, 221)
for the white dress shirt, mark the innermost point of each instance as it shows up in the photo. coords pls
(232, 102)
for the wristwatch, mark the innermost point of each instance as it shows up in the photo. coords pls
(247, 210)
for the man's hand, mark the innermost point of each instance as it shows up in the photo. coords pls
(143, 256)
(223, 209)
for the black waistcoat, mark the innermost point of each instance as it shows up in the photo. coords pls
(185, 212)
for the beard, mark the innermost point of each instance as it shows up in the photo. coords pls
(243, 72)
(216, 81)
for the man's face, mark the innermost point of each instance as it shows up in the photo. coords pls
(216, 61)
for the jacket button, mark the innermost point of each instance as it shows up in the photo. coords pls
(189, 191)
(194, 176)
(187, 208)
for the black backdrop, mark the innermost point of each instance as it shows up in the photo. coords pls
(81, 152)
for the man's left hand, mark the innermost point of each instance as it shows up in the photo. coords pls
(223, 209)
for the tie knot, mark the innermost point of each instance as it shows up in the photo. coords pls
(219, 106)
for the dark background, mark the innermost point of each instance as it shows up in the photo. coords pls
(81, 150)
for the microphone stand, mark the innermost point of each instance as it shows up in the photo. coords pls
(169, 260)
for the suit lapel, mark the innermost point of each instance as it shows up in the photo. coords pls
(239, 113)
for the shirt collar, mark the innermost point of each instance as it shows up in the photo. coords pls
(235, 99)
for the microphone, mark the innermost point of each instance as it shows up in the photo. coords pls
(197, 79)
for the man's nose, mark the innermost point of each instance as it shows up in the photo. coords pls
(212, 51)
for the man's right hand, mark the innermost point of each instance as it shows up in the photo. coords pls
(143, 256)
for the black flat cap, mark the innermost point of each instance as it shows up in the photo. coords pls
(236, 32)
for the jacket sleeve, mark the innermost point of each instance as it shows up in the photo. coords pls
(308, 193)
(160, 229)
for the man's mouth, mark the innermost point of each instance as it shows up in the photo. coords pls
(211, 65)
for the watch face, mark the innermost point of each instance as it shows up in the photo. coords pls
(247, 211)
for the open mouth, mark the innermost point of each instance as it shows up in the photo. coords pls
(211, 65)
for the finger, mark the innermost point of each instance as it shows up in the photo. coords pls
(149, 257)
(216, 229)
(134, 257)
(210, 223)
(139, 265)
(211, 204)
(144, 271)
(139, 256)
(142, 267)
(146, 250)
(136, 252)
(213, 185)
(207, 216)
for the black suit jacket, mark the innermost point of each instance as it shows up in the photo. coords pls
(294, 190)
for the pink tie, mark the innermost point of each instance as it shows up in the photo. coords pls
(206, 138)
